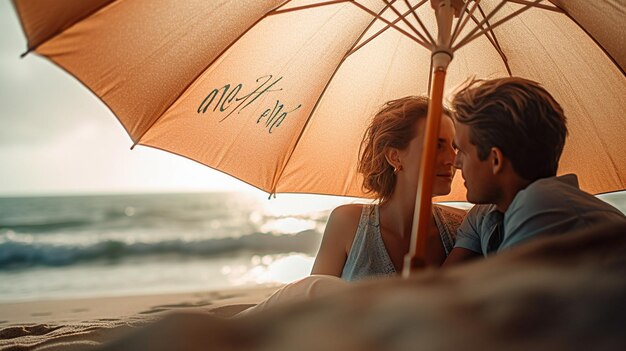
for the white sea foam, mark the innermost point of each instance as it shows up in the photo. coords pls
(106, 245)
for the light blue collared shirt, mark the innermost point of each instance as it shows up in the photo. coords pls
(547, 206)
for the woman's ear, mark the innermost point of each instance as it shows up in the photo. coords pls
(497, 160)
(393, 157)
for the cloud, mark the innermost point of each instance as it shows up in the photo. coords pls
(57, 137)
(91, 159)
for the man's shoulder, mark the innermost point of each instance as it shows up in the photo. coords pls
(477, 217)
(562, 183)
(472, 229)
(549, 192)
(478, 212)
(560, 192)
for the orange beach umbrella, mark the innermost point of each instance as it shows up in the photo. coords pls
(278, 93)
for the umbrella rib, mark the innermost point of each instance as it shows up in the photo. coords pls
(425, 45)
(459, 26)
(136, 142)
(392, 24)
(403, 17)
(277, 7)
(308, 119)
(494, 41)
(466, 39)
(430, 75)
(471, 36)
(376, 16)
(33, 48)
(430, 38)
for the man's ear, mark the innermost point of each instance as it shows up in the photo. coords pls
(497, 160)
(393, 157)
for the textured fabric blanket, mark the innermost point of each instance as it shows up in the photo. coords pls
(564, 292)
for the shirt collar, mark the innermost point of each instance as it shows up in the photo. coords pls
(570, 179)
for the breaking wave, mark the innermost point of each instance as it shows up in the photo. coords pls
(21, 251)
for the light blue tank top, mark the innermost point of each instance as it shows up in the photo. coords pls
(368, 256)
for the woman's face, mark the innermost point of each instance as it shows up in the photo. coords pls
(444, 166)
(444, 171)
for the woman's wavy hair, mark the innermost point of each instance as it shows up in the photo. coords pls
(391, 127)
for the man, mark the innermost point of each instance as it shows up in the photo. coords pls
(510, 134)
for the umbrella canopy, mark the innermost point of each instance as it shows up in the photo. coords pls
(278, 93)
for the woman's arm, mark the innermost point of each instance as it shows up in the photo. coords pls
(338, 236)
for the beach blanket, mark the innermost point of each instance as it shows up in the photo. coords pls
(565, 292)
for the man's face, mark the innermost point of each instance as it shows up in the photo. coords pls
(478, 175)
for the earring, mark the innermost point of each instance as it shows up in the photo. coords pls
(397, 169)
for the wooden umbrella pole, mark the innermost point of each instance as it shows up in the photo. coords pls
(423, 201)
(422, 218)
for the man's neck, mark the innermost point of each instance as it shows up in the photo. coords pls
(509, 192)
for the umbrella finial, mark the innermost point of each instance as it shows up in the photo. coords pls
(445, 10)
(457, 5)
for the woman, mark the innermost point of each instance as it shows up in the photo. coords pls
(371, 240)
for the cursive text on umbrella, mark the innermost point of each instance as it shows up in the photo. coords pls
(230, 101)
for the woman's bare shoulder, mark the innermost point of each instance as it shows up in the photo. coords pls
(338, 236)
(343, 224)
(348, 211)
(344, 220)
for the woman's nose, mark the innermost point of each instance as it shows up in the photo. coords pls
(450, 156)
(457, 162)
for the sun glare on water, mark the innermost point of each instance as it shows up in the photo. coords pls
(268, 269)
(288, 226)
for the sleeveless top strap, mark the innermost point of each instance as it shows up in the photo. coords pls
(368, 256)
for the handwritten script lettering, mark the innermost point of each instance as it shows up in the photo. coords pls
(229, 99)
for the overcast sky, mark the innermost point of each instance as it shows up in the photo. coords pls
(57, 137)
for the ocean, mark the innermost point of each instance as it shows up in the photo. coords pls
(113, 245)
(110, 245)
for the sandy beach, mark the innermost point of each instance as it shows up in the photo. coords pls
(92, 321)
